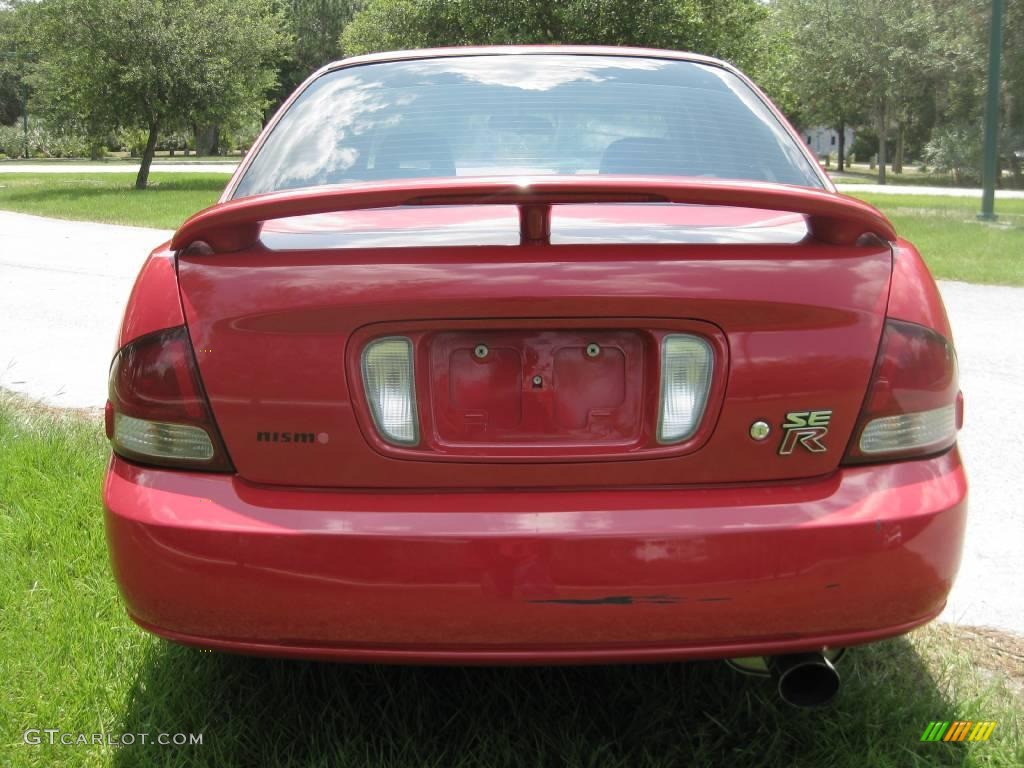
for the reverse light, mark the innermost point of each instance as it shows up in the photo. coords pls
(387, 367)
(158, 439)
(156, 411)
(927, 429)
(686, 366)
(914, 406)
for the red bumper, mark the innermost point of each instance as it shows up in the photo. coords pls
(536, 576)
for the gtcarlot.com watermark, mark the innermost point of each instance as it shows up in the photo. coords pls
(36, 736)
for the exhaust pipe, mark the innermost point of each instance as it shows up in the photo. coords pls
(804, 679)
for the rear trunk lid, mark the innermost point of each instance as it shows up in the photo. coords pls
(536, 358)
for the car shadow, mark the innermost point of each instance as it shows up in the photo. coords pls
(264, 712)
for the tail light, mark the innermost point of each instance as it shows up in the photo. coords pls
(914, 406)
(686, 363)
(157, 412)
(387, 368)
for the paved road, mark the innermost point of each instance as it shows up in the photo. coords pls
(901, 189)
(63, 285)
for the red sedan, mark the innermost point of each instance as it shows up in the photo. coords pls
(535, 355)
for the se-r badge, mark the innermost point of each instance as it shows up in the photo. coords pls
(806, 428)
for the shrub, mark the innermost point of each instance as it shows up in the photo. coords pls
(864, 146)
(241, 136)
(11, 140)
(43, 141)
(956, 150)
(131, 140)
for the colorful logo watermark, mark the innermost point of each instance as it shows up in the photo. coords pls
(959, 730)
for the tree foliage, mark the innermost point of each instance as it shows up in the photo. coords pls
(315, 27)
(153, 64)
(821, 82)
(898, 72)
(847, 59)
(15, 60)
(723, 28)
(904, 70)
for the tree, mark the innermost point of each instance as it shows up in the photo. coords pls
(966, 37)
(826, 84)
(154, 65)
(15, 59)
(851, 57)
(315, 27)
(725, 28)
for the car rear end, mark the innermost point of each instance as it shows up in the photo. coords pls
(533, 356)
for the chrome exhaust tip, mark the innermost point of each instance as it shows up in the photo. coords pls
(804, 679)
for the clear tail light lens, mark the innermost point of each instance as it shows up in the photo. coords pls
(156, 411)
(158, 439)
(686, 366)
(914, 406)
(390, 386)
(928, 429)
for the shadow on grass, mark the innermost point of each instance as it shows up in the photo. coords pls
(257, 712)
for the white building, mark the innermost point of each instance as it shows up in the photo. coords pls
(825, 141)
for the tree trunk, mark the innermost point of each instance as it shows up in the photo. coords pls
(882, 118)
(142, 180)
(207, 139)
(842, 146)
(897, 160)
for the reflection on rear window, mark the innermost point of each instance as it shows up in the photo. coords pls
(525, 114)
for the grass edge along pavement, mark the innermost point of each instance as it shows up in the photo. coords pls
(74, 661)
(111, 198)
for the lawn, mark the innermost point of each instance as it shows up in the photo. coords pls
(954, 243)
(73, 661)
(861, 173)
(111, 197)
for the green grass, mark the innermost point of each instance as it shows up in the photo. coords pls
(111, 197)
(72, 660)
(911, 176)
(953, 242)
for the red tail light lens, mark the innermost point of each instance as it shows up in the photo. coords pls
(157, 412)
(914, 406)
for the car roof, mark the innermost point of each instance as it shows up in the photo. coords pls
(519, 50)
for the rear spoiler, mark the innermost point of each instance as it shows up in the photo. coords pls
(234, 225)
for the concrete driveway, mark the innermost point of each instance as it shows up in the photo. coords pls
(63, 285)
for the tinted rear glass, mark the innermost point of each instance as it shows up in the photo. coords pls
(527, 114)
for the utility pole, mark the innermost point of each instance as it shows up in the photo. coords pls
(990, 170)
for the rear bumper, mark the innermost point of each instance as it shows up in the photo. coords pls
(543, 576)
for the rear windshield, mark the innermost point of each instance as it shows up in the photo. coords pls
(527, 114)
